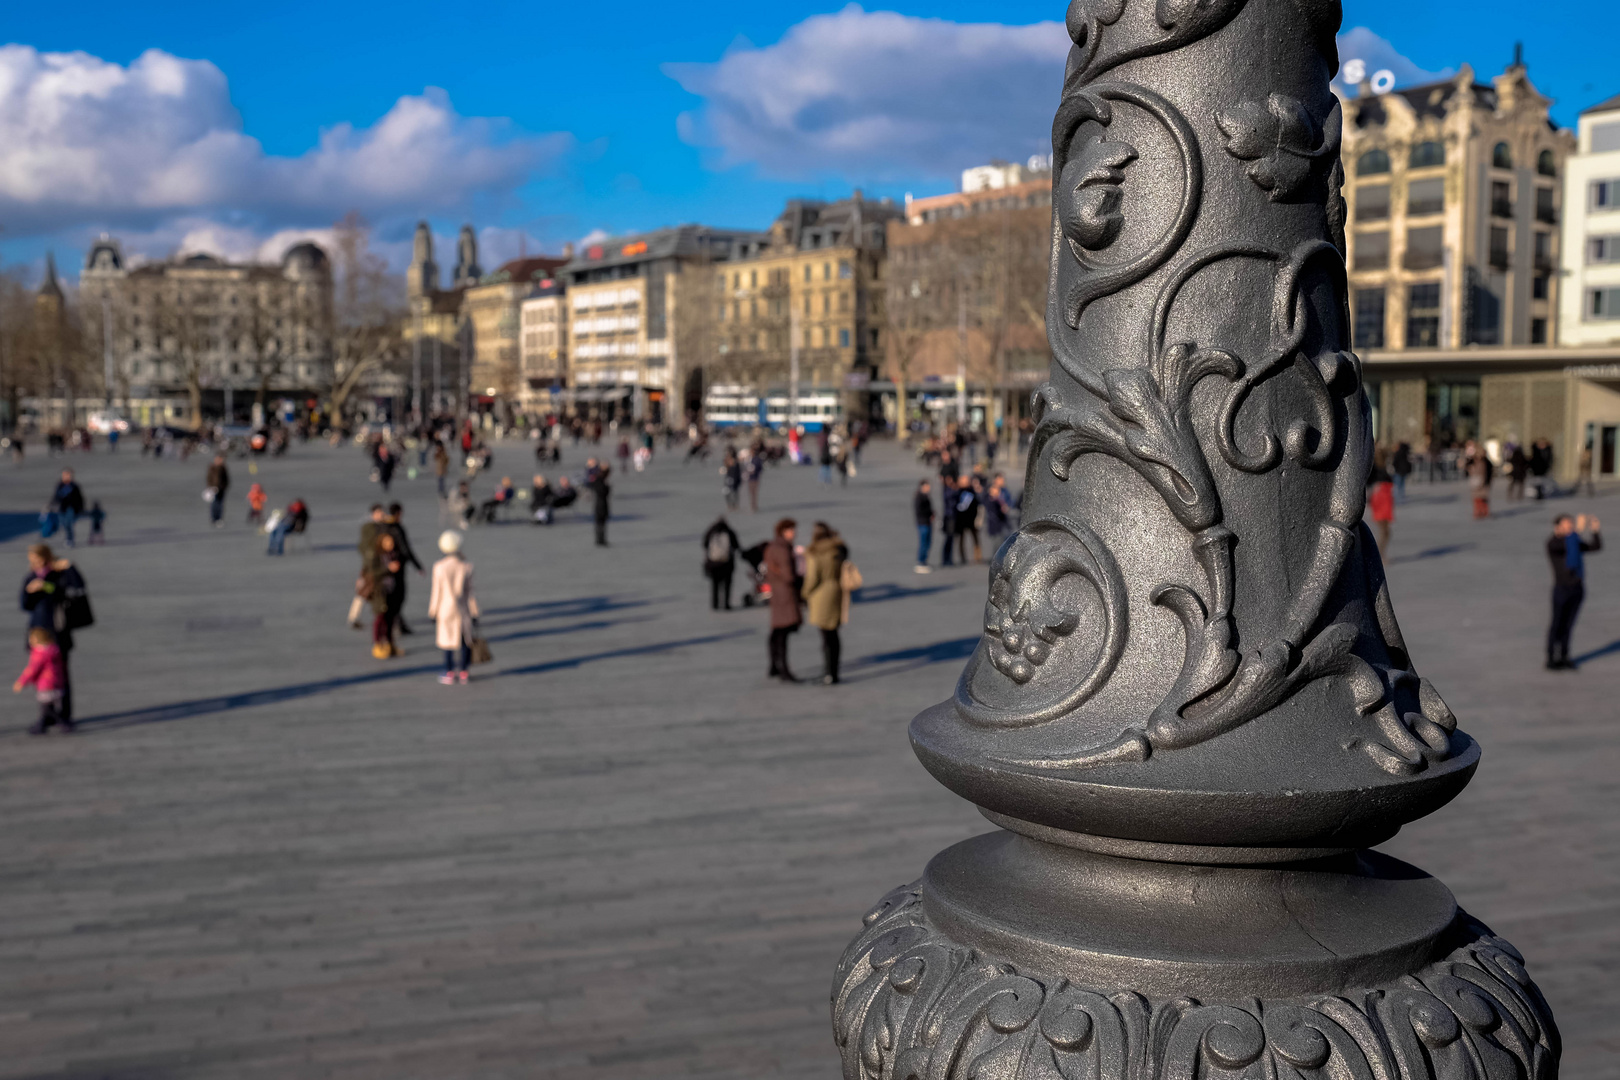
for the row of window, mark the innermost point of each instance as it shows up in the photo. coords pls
(606, 298)
(607, 324)
(1603, 304)
(1425, 249)
(780, 277)
(1429, 197)
(1482, 316)
(1427, 155)
(155, 369)
(816, 337)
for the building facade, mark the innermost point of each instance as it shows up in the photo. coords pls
(435, 333)
(1590, 304)
(492, 308)
(812, 285)
(1453, 193)
(641, 316)
(543, 346)
(209, 332)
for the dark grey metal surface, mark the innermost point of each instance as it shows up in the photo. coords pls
(1192, 699)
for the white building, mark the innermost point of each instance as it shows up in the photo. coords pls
(543, 345)
(1590, 310)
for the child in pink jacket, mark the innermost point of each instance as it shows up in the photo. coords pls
(48, 676)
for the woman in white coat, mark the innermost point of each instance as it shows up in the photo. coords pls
(453, 607)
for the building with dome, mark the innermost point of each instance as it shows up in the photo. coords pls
(199, 337)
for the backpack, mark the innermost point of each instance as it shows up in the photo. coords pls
(720, 546)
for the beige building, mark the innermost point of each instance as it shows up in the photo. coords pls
(209, 332)
(641, 317)
(1590, 304)
(543, 346)
(817, 276)
(1453, 191)
(492, 310)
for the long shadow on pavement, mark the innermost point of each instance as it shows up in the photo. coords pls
(888, 590)
(1607, 650)
(909, 659)
(15, 524)
(186, 710)
(1433, 553)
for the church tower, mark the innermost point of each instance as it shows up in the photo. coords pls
(422, 279)
(467, 269)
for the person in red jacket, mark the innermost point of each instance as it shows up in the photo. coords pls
(48, 676)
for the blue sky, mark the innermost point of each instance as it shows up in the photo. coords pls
(542, 123)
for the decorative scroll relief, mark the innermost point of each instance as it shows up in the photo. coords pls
(909, 1004)
(1143, 417)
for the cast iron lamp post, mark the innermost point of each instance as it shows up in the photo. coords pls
(1192, 713)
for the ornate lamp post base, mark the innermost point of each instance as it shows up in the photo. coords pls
(1192, 710)
(1015, 959)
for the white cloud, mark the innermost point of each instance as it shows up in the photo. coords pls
(84, 142)
(879, 96)
(1377, 54)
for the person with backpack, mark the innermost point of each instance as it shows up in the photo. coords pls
(720, 561)
(55, 598)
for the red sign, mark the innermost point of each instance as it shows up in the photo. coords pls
(594, 252)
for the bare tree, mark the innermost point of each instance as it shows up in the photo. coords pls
(368, 319)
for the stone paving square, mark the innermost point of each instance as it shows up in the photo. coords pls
(620, 852)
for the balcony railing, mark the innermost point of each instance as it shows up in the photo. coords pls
(1500, 259)
(1543, 264)
(1501, 208)
(1547, 214)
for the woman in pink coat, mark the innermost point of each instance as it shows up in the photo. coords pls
(454, 608)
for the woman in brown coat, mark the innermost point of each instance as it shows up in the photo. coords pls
(782, 572)
(824, 592)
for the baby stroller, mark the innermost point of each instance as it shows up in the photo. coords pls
(759, 590)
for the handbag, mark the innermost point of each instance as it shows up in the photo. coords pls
(48, 522)
(478, 649)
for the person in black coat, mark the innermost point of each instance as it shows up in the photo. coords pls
(922, 508)
(596, 478)
(402, 544)
(720, 545)
(68, 503)
(54, 597)
(1566, 552)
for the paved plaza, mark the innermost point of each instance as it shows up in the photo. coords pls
(620, 852)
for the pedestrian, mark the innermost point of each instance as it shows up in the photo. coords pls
(997, 511)
(453, 608)
(1541, 463)
(1381, 500)
(98, 517)
(441, 466)
(720, 546)
(384, 462)
(395, 522)
(1401, 466)
(55, 598)
(369, 531)
(47, 674)
(1478, 468)
(67, 502)
(1566, 551)
(731, 478)
(947, 517)
(541, 500)
(215, 485)
(1583, 475)
(824, 454)
(256, 499)
(1518, 470)
(755, 469)
(385, 574)
(781, 571)
(597, 480)
(922, 509)
(823, 593)
(967, 519)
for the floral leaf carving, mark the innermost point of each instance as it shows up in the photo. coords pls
(1195, 17)
(1277, 135)
(1085, 20)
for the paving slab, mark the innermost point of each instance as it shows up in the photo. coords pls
(619, 852)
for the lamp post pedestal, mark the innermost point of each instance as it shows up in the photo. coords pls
(1192, 712)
